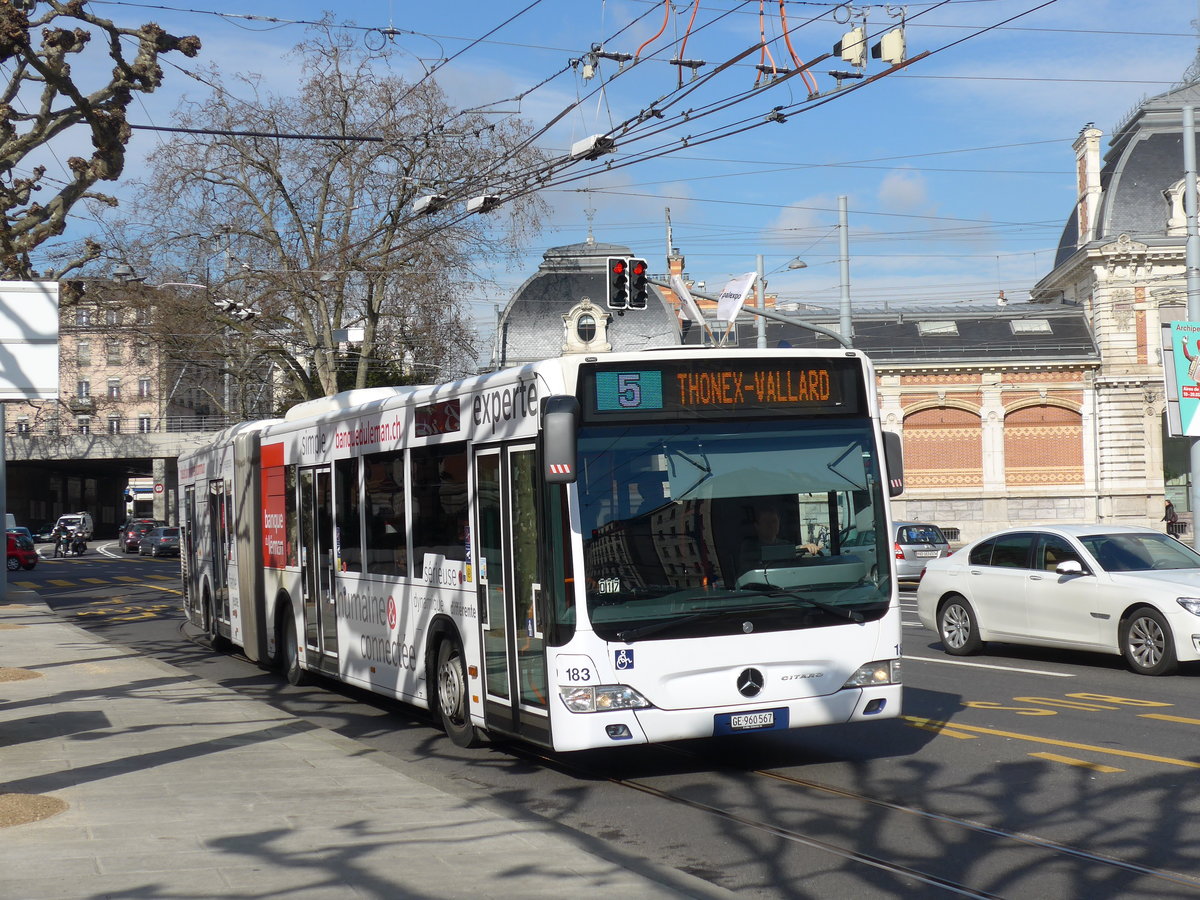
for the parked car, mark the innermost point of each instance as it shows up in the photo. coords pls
(131, 534)
(21, 554)
(23, 532)
(159, 542)
(913, 544)
(44, 534)
(1125, 590)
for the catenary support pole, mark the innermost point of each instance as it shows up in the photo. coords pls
(1192, 266)
(762, 304)
(845, 323)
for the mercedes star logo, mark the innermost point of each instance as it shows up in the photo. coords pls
(750, 682)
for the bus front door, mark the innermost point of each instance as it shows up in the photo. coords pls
(216, 607)
(508, 543)
(316, 567)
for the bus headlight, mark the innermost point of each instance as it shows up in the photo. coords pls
(601, 698)
(883, 671)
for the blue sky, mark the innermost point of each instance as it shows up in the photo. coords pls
(958, 170)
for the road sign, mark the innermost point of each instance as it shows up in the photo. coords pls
(158, 488)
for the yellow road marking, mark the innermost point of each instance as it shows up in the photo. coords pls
(95, 580)
(159, 587)
(126, 578)
(31, 585)
(938, 728)
(1053, 742)
(59, 582)
(162, 577)
(1081, 763)
(1165, 718)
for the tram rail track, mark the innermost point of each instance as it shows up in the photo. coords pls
(1053, 850)
(945, 884)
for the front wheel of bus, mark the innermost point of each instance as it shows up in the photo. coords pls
(452, 694)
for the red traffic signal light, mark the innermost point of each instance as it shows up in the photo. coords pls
(618, 282)
(638, 284)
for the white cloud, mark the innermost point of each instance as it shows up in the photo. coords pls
(904, 191)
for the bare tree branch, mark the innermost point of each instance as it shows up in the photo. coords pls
(41, 73)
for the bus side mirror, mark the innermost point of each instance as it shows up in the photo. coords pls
(560, 430)
(893, 453)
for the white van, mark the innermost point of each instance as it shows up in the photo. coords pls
(80, 523)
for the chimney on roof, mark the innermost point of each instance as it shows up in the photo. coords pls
(1087, 172)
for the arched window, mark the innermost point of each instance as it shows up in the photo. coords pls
(943, 447)
(1043, 445)
(585, 327)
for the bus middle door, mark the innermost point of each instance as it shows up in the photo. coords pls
(508, 543)
(316, 567)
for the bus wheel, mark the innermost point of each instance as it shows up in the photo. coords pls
(216, 640)
(289, 653)
(452, 694)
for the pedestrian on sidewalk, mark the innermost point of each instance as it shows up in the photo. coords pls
(1170, 517)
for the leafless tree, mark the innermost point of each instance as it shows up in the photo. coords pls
(43, 99)
(301, 208)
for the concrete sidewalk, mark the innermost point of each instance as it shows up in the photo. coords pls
(154, 783)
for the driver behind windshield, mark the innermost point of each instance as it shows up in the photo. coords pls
(765, 545)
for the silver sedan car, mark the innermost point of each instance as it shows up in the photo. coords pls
(1112, 589)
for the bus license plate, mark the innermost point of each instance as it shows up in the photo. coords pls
(756, 720)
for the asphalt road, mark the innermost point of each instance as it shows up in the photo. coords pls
(1017, 773)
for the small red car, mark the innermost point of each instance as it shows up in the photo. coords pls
(21, 554)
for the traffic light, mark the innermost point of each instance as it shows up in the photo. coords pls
(853, 47)
(618, 282)
(637, 284)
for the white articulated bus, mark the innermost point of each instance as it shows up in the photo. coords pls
(582, 552)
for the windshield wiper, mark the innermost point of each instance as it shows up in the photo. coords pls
(768, 590)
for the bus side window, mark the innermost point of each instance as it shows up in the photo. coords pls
(440, 501)
(387, 534)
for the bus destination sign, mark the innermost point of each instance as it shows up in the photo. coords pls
(742, 387)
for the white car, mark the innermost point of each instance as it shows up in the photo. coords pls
(1113, 589)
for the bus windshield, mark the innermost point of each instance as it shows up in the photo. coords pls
(707, 528)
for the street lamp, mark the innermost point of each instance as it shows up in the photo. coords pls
(797, 263)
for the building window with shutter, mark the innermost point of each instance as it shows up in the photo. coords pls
(114, 389)
(83, 389)
(83, 353)
(23, 425)
(144, 388)
(83, 317)
(143, 424)
(112, 317)
(114, 424)
(112, 353)
(141, 353)
(83, 424)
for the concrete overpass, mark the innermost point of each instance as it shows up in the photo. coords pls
(54, 473)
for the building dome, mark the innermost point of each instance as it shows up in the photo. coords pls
(1142, 167)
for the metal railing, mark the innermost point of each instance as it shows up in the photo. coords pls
(100, 425)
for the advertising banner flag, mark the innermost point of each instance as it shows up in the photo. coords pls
(688, 310)
(734, 296)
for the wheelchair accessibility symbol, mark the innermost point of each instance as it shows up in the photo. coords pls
(623, 659)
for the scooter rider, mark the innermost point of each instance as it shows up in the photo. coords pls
(62, 540)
